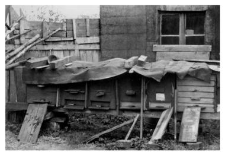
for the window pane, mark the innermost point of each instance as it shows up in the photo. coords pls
(195, 40)
(170, 24)
(170, 40)
(195, 22)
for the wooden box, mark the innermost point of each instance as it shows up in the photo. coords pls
(43, 93)
(160, 94)
(73, 96)
(101, 95)
(195, 92)
(129, 86)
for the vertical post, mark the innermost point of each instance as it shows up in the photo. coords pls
(175, 114)
(117, 98)
(182, 29)
(86, 95)
(88, 27)
(142, 106)
(57, 97)
(74, 30)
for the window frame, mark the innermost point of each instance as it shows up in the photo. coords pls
(182, 27)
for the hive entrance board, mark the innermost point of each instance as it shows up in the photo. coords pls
(190, 124)
(32, 123)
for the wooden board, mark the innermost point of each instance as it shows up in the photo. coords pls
(182, 48)
(21, 87)
(200, 101)
(37, 62)
(196, 95)
(32, 123)
(205, 107)
(161, 125)
(182, 55)
(195, 89)
(12, 87)
(195, 83)
(61, 62)
(190, 124)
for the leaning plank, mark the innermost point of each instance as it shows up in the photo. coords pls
(31, 45)
(190, 124)
(182, 48)
(131, 128)
(11, 66)
(161, 125)
(32, 123)
(61, 62)
(37, 62)
(22, 47)
(109, 130)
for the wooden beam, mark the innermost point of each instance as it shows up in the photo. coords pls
(88, 27)
(182, 48)
(131, 128)
(37, 62)
(56, 47)
(61, 62)
(109, 130)
(59, 39)
(74, 30)
(88, 40)
(17, 35)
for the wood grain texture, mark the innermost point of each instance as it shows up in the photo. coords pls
(32, 123)
(182, 48)
(190, 124)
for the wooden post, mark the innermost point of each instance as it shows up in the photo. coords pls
(57, 97)
(86, 95)
(142, 105)
(75, 37)
(117, 99)
(175, 114)
(88, 26)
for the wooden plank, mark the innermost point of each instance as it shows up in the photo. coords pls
(88, 40)
(183, 7)
(61, 62)
(57, 47)
(190, 124)
(182, 55)
(195, 83)
(83, 55)
(32, 123)
(33, 63)
(130, 105)
(200, 101)
(142, 106)
(96, 56)
(205, 107)
(88, 27)
(109, 130)
(161, 125)
(7, 86)
(195, 89)
(12, 87)
(195, 95)
(89, 56)
(59, 39)
(190, 78)
(132, 126)
(74, 30)
(22, 30)
(21, 87)
(159, 105)
(182, 48)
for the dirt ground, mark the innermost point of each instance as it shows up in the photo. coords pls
(83, 127)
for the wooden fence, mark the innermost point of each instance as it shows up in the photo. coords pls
(77, 37)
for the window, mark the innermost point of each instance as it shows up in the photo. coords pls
(182, 28)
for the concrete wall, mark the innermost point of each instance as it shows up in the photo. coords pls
(133, 30)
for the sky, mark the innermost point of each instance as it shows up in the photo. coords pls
(68, 11)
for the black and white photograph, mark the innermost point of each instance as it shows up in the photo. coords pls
(111, 77)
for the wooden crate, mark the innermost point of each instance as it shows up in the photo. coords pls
(73, 96)
(129, 86)
(195, 92)
(101, 95)
(159, 94)
(47, 93)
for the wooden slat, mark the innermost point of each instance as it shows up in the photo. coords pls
(32, 123)
(89, 56)
(159, 105)
(161, 125)
(130, 105)
(96, 56)
(195, 89)
(200, 101)
(182, 48)
(37, 62)
(190, 78)
(12, 85)
(88, 40)
(190, 124)
(195, 95)
(181, 55)
(195, 83)
(205, 107)
(59, 39)
(88, 27)
(22, 30)
(58, 47)
(21, 88)
(74, 30)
